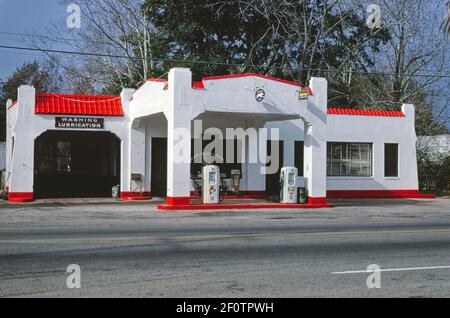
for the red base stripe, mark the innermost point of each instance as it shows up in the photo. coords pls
(20, 197)
(135, 196)
(368, 194)
(240, 206)
(317, 200)
(178, 200)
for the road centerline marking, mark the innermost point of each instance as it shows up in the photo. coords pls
(393, 270)
(234, 236)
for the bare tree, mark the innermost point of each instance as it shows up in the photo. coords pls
(303, 35)
(415, 62)
(446, 22)
(301, 38)
(116, 30)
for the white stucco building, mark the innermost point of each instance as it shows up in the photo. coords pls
(77, 145)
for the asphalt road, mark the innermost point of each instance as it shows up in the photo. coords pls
(132, 250)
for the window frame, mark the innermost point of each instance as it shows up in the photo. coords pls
(349, 160)
(398, 161)
(49, 157)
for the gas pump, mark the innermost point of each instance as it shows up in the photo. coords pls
(235, 180)
(288, 185)
(211, 184)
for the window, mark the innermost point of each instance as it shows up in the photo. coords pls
(391, 160)
(299, 157)
(53, 156)
(349, 159)
(62, 158)
(45, 160)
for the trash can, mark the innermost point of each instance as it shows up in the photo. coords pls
(302, 195)
(115, 191)
(3, 195)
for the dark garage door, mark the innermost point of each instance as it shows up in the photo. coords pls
(159, 167)
(76, 164)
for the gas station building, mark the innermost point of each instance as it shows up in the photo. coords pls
(61, 145)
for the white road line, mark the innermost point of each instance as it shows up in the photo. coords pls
(393, 270)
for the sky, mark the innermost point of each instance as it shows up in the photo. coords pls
(25, 16)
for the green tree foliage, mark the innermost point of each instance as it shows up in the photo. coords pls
(28, 74)
(434, 172)
(300, 39)
(264, 36)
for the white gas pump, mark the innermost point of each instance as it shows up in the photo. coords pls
(288, 185)
(211, 184)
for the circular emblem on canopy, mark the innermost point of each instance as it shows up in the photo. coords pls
(260, 94)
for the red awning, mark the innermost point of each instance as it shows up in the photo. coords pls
(89, 105)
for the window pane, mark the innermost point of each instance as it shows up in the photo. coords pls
(63, 164)
(355, 168)
(349, 159)
(391, 160)
(365, 152)
(337, 151)
(63, 148)
(335, 168)
(355, 153)
(366, 169)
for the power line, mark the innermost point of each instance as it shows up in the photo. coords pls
(61, 39)
(209, 62)
(27, 54)
(53, 38)
(65, 40)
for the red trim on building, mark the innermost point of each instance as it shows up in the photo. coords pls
(317, 200)
(364, 112)
(161, 80)
(241, 206)
(20, 197)
(201, 84)
(135, 196)
(370, 194)
(212, 78)
(195, 85)
(198, 85)
(73, 104)
(178, 200)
